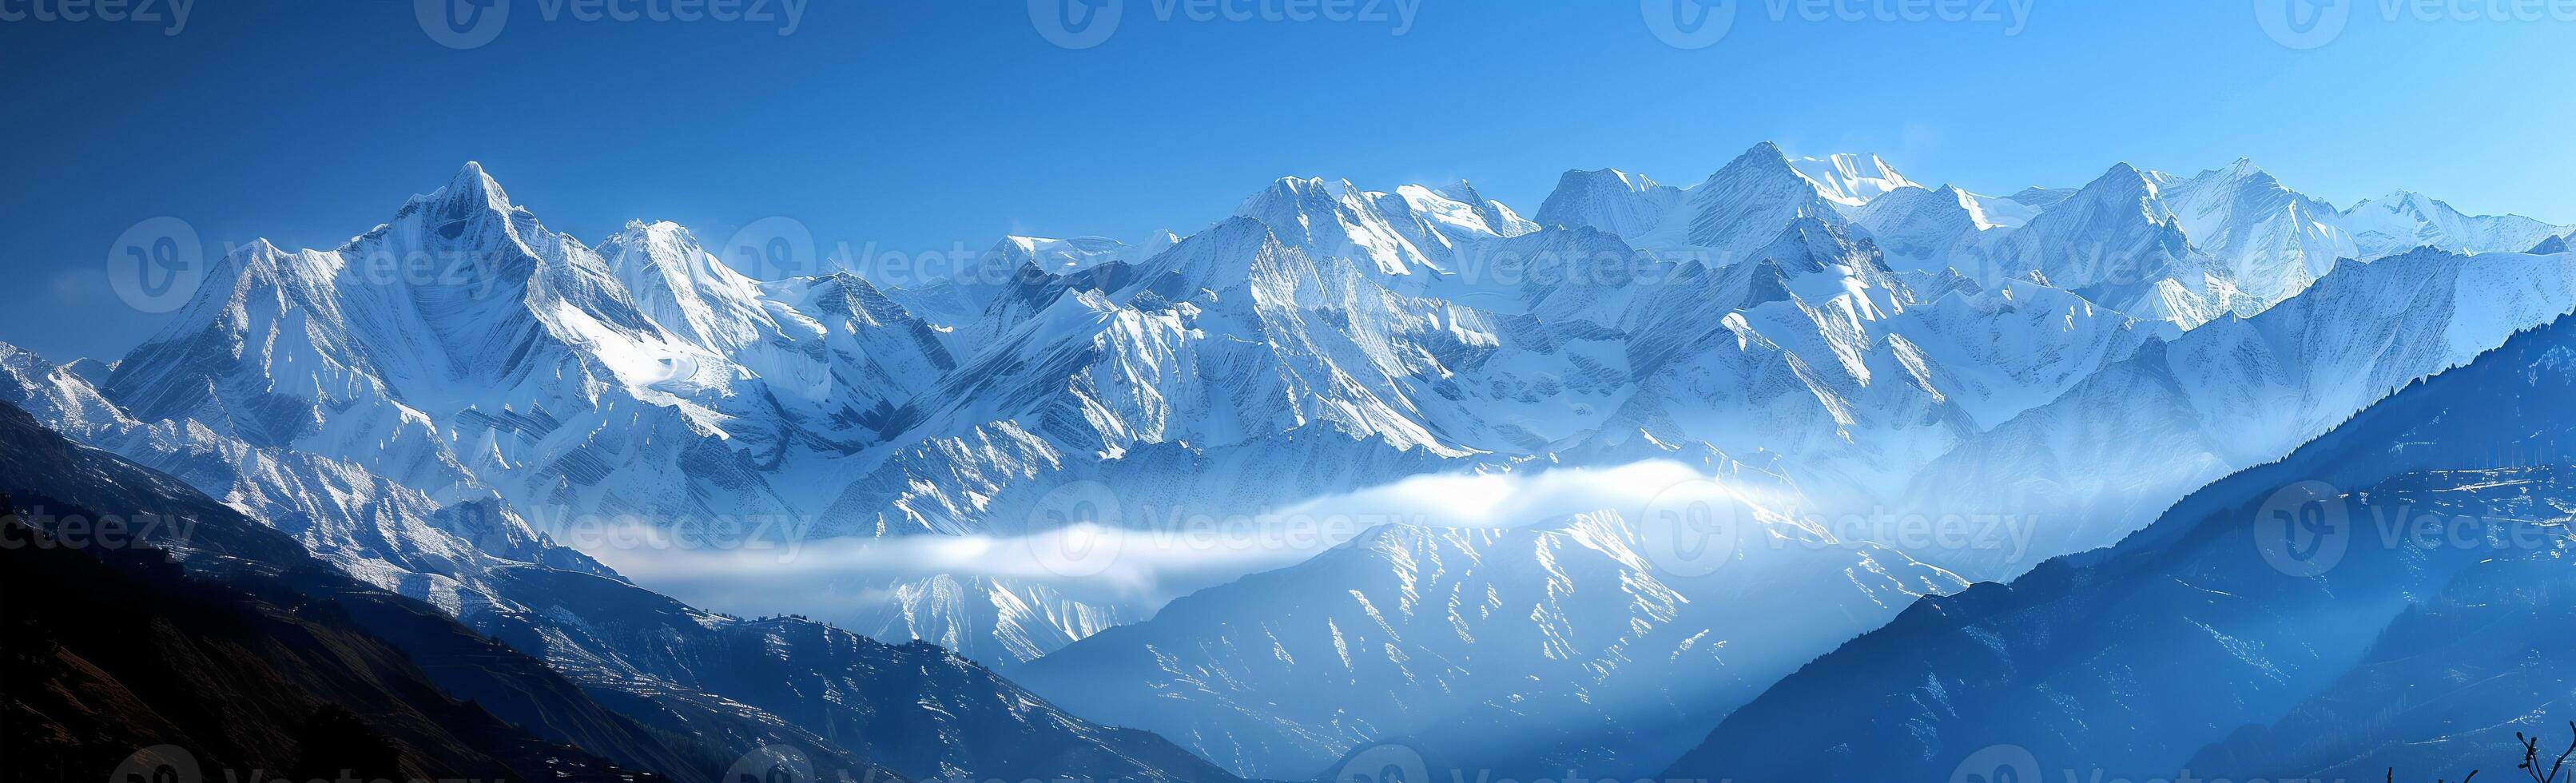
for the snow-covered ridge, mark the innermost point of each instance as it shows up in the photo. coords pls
(1851, 180)
(1823, 320)
(2155, 245)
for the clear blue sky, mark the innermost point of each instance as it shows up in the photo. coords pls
(918, 124)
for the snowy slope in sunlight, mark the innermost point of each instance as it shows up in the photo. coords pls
(1825, 322)
(1521, 650)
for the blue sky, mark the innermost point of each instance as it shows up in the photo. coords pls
(914, 125)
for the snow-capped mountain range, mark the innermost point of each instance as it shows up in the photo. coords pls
(1824, 328)
(1423, 329)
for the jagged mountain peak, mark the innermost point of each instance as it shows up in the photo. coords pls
(655, 242)
(2118, 242)
(2120, 187)
(255, 266)
(1934, 231)
(1211, 259)
(683, 288)
(472, 178)
(1066, 255)
(2244, 173)
(2400, 200)
(1293, 189)
(2272, 240)
(471, 215)
(1734, 211)
(1916, 198)
(1849, 179)
(2123, 174)
(1764, 158)
(1294, 199)
(1747, 203)
(258, 256)
(1625, 204)
(1460, 190)
(654, 228)
(1329, 218)
(1398, 234)
(989, 619)
(2408, 204)
(1460, 212)
(2407, 219)
(471, 189)
(1612, 178)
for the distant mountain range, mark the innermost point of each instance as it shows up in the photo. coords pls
(1825, 335)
